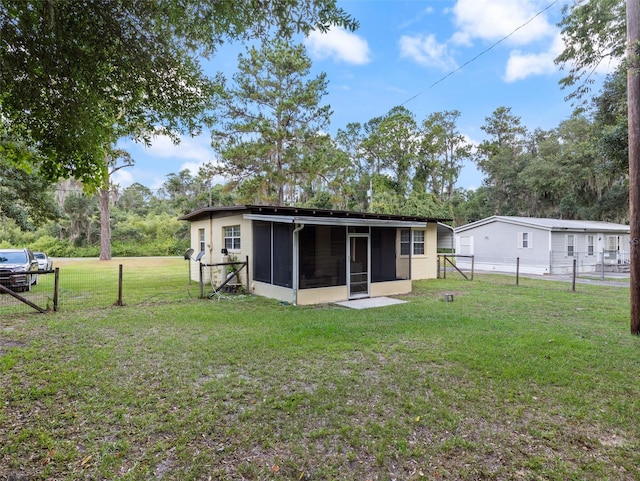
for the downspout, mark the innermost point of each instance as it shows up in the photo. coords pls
(210, 245)
(550, 247)
(296, 263)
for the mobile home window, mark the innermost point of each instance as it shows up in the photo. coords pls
(201, 239)
(525, 240)
(570, 245)
(418, 242)
(405, 242)
(590, 245)
(232, 237)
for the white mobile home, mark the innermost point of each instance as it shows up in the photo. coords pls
(309, 256)
(543, 246)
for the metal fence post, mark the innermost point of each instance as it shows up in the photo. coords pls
(517, 271)
(247, 268)
(473, 263)
(56, 289)
(201, 282)
(573, 282)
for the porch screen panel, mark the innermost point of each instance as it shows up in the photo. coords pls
(282, 254)
(262, 251)
(383, 254)
(322, 256)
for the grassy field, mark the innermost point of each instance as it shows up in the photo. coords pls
(91, 283)
(507, 383)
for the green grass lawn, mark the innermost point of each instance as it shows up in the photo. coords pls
(508, 383)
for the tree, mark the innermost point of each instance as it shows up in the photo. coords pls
(441, 152)
(79, 226)
(594, 33)
(390, 147)
(25, 196)
(117, 159)
(136, 198)
(76, 76)
(275, 122)
(356, 176)
(502, 158)
(179, 189)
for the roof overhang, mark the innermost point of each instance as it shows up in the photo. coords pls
(310, 220)
(310, 216)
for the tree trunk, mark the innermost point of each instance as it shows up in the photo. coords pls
(105, 225)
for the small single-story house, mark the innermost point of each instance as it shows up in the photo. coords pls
(543, 246)
(308, 256)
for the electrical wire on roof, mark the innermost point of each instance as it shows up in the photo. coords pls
(491, 47)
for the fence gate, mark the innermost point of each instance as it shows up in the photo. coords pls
(448, 259)
(24, 300)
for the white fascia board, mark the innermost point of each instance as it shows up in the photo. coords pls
(310, 220)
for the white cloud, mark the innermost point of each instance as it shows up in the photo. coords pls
(425, 50)
(493, 20)
(339, 44)
(122, 177)
(194, 167)
(522, 65)
(190, 148)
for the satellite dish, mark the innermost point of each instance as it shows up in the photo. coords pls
(199, 256)
(187, 254)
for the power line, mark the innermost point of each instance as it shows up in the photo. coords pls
(491, 47)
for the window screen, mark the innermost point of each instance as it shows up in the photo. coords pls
(262, 251)
(282, 254)
(322, 256)
(383, 254)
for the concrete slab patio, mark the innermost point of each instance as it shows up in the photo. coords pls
(370, 302)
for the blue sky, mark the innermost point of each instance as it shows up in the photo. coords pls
(414, 53)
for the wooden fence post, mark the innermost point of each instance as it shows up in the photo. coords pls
(119, 302)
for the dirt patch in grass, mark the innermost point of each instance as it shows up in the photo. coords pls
(6, 345)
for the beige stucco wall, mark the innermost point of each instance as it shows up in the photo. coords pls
(214, 242)
(426, 266)
(322, 295)
(272, 292)
(390, 288)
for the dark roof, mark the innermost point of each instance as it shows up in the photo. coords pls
(205, 212)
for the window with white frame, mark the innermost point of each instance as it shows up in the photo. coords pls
(232, 237)
(201, 239)
(405, 242)
(418, 242)
(571, 239)
(590, 245)
(611, 251)
(525, 240)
